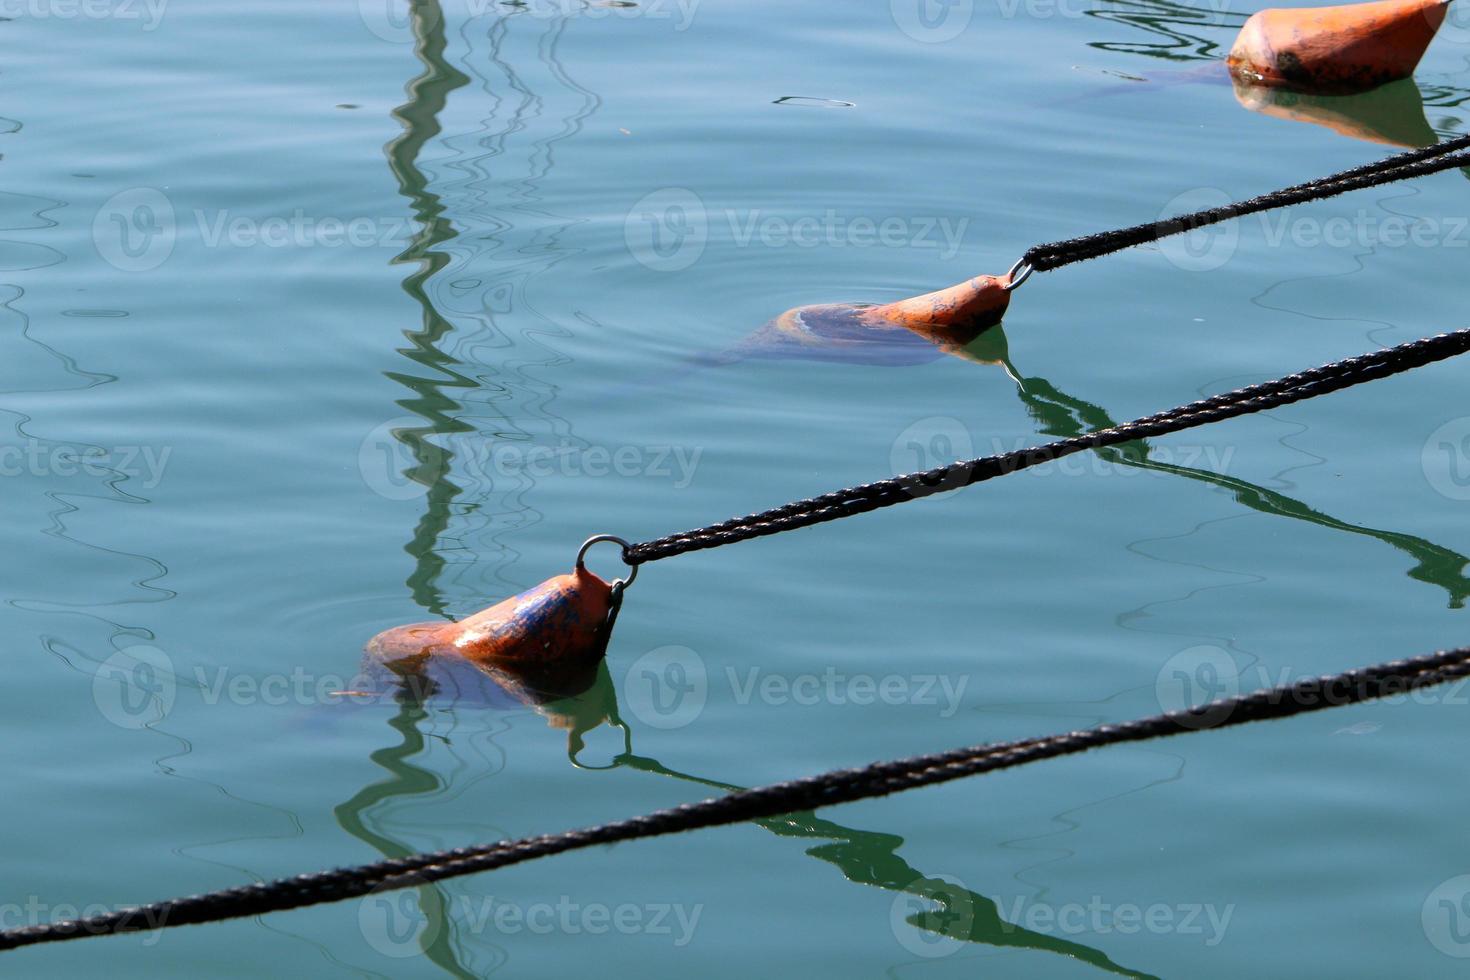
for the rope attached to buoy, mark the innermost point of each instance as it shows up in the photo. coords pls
(1392, 679)
(1403, 166)
(886, 493)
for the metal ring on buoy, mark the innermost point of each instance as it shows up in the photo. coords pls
(1015, 280)
(621, 583)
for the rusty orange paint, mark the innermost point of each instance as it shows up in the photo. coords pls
(964, 309)
(1347, 48)
(949, 319)
(550, 639)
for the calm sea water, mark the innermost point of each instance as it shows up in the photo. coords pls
(320, 318)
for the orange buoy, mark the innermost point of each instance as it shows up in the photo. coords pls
(548, 641)
(947, 320)
(944, 314)
(1347, 48)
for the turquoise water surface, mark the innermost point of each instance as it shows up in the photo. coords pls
(324, 317)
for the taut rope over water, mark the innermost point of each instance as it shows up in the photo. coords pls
(839, 786)
(1402, 166)
(885, 493)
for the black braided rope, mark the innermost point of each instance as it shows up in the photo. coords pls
(885, 493)
(1391, 679)
(1403, 166)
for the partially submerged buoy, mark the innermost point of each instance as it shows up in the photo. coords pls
(1347, 48)
(541, 644)
(902, 332)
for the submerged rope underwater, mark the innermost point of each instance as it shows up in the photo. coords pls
(1395, 678)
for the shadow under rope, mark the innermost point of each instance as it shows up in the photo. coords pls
(868, 857)
(1064, 416)
(864, 857)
